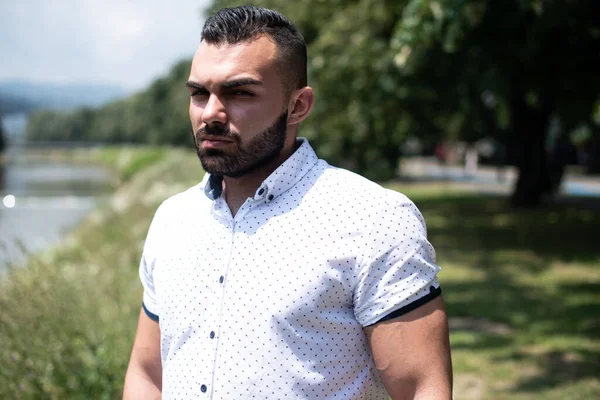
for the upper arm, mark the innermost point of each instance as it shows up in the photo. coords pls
(144, 374)
(412, 353)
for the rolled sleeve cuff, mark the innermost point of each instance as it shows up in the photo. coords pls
(149, 313)
(433, 293)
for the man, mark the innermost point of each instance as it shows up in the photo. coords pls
(279, 276)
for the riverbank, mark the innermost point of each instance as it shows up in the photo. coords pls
(53, 189)
(123, 161)
(68, 318)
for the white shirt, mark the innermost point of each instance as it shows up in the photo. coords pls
(271, 303)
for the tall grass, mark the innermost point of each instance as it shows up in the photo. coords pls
(68, 318)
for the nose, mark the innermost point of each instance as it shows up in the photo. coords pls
(214, 111)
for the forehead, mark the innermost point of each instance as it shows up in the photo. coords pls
(219, 63)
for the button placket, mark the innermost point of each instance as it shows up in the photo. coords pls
(211, 334)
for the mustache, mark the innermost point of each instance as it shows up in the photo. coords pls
(216, 130)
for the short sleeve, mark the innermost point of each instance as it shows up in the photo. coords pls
(397, 272)
(147, 264)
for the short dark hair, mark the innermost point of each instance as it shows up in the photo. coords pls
(244, 23)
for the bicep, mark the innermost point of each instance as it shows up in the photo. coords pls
(145, 367)
(412, 353)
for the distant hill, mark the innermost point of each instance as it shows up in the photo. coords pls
(23, 96)
(157, 115)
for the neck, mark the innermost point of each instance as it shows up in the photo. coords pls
(237, 190)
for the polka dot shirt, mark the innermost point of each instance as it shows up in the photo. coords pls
(271, 303)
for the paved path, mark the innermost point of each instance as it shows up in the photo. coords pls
(490, 179)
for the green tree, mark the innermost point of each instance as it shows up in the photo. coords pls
(535, 61)
(463, 69)
(156, 115)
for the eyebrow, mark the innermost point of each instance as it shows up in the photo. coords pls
(226, 85)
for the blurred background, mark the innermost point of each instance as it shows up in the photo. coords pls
(485, 113)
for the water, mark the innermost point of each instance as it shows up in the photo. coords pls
(41, 201)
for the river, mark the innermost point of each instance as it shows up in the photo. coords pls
(42, 201)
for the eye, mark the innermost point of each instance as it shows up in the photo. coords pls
(242, 93)
(198, 92)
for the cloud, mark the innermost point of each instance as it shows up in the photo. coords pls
(129, 43)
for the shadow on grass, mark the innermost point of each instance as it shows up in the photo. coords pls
(534, 271)
(485, 223)
(559, 367)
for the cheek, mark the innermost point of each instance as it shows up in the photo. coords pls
(252, 120)
(195, 115)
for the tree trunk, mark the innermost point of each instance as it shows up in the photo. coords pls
(530, 126)
(593, 149)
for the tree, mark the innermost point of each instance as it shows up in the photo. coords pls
(464, 69)
(156, 115)
(536, 59)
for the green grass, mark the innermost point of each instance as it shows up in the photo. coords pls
(522, 290)
(131, 161)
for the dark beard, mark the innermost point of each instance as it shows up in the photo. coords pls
(244, 158)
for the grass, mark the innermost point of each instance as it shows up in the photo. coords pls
(522, 290)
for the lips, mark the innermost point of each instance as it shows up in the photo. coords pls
(215, 139)
(214, 142)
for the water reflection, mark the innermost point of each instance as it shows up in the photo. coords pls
(49, 200)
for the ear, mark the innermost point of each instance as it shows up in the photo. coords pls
(300, 105)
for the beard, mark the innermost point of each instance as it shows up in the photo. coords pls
(244, 158)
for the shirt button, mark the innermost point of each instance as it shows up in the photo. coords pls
(203, 388)
(221, 279)
(212, 335)
(261, 191)
(271, 197)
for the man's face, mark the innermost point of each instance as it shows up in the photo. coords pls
(238, 106)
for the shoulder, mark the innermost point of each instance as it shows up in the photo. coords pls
(348, 186)
(344, 197)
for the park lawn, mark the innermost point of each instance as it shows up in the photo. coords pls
(522, 291)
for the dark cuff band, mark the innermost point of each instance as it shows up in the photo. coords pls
(150, 315)
(433, 293)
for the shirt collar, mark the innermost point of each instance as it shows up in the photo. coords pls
(280, 180)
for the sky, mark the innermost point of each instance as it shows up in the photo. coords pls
(124, 42)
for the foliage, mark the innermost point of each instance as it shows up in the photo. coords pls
(385, 70)
(157, 115)
(520, 70)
